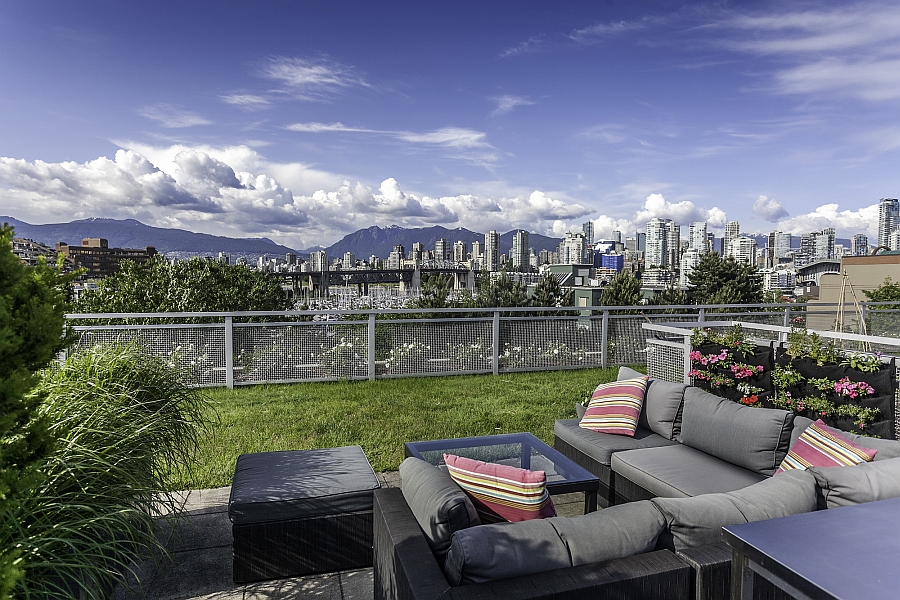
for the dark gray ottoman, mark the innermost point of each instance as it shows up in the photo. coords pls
(301, 512)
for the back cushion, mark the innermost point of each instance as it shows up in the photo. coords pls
(439, 505)
(754, 438)
(662, 404)
(887, 449)
(865, 482)
(699, 520)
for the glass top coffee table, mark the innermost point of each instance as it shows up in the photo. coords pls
(521, 450)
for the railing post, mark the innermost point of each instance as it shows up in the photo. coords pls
(371, 349)
(604, 340)
(787, 316)
(229, 352)
(701, 318)
(687, 359)
(496, 358)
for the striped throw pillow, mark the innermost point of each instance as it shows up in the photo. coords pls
(500, 492)
(615, 407)
(821, 446)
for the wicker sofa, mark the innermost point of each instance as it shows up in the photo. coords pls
(697, 463)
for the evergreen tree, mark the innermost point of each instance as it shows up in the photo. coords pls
(725, 281)
(548, 292)
(623, 290)
(32, 326)
(883, 323)
(496, 292)
(434, 291)
(672, 296)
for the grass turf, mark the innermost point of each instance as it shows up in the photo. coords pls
(380, 415)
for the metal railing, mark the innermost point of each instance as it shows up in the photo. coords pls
(242, 348)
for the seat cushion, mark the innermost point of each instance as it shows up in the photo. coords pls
(662, 405)
(698, 521)
(601, 446)
(439, 505)
(887, 449)
(753, 438)
(280, 486)
(681, 471)
(865, 482)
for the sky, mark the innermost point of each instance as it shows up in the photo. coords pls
(305, 121)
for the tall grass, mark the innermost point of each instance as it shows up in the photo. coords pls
(122, 421)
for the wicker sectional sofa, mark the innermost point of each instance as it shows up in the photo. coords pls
(696, 463)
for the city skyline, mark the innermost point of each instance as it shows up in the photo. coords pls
(303, 124)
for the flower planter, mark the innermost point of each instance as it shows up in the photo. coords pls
(762, 357)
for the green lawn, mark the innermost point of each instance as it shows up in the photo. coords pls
(381, 415)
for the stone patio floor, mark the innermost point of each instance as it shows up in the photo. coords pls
(200, 564)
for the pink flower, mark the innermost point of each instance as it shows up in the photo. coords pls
(759, 368)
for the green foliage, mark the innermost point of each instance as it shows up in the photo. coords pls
(501, 291)
(125, 422)
(623, 290)
(867, 363)
(886, 292)
(725, 281)
(32, 326)
(733, 338)
(434, 291)
(548, 292)
(802, 344)
(671, 296)
(196, 285)
(880, 322)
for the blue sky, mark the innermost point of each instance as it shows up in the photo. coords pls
(304, 121)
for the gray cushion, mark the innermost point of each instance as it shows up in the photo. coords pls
(614, 532)
(439, 505)
(698, 521)
(600, 446)
(865, 482)
(662, 404)
(503, 550)
(681, 471)
(887, 449)
(754, 438)
(278, 486)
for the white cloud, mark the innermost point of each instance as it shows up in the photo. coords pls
(846, 222)
(532, 44)
(610, 133)
(247, 101)
(312, 78)
(315, 127)
(683, 212)
(506, 103)
(236, 191)
(598, 32)
(451, 137)
(171, 116)
(769, 209)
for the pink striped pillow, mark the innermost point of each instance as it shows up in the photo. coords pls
(821, 446)
(500, 492)
(615, 407)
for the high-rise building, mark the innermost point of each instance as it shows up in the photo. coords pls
(657, 245)
(520, 250)
(825, 244)
(572, 249)
(318, 261)
(743, 249)
(395, 258)
(673, 243)
(349, 261)
(491, 251)
(459, 251)
(477, 250)
(689, 261)
(781, 244)
(617, 236)
(442, 250)
(710, 242)
(698, 236)
(859, 245)
(640, 242)
(588, 230)
(732, 230)
(290, 258)
(888, 220)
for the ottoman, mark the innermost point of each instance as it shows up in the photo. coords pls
(300, 512)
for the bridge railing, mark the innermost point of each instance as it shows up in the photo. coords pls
(243, 348)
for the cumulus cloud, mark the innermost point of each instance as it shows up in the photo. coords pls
(236, 191)
(506, 103)
(845, 222)
(171, 116)
(683, 212)
(769, 209)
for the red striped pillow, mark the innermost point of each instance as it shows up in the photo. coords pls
(821, 446)
(500, 492)
(615, 407)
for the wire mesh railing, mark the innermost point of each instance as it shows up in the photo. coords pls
(228, 349)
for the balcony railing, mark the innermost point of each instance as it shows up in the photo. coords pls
(241, 348)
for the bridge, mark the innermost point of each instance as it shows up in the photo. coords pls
(463, 277)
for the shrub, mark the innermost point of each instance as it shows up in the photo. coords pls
(123, 421)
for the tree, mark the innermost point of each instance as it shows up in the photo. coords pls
(434, 292)
(196, 285)
(32, 327)
(725, 281)
(623, 290)
(672, 296)
(501, 291)
(885, 323)
(548, 292)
